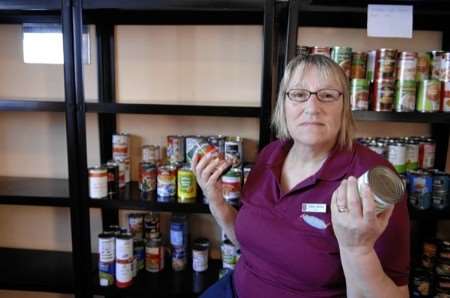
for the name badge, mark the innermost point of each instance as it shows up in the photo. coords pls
(314, 208)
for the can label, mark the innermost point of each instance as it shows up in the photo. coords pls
(397, 157)
(98, 183)
(233, 152)
(385, 64)
(321, 51)
(428, 96)
(147, 177)
(166, 184)
(107, 250)
(371, 65)
(359, 95)
(436, 58)
(177, 233)
(343, 57)
(187, 186)
(124, 249)
(106, 273)
(150, 153)
(218, 142)
(445, 67)
(423, 67)
(139, 254)
(229, 255)
(412, 156)
(199, 260)
(179, 258)
(407, 66)
(405, 96)
(359, 62)
(136, 225)
(231, 183)
(151, 226)
(420, 188)
(124, 274)
(440, 191)
(426, 155)
(383, 96)
(175, 149)
(120, 146)
(154, 259)
(192, 143)
(445, 97)
(113, 178)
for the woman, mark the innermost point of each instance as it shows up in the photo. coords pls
(303, 229)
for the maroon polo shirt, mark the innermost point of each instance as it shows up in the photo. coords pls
(282, 256)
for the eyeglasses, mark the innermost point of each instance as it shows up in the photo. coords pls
(323, 95)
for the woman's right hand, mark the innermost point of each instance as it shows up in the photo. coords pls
(207, 171)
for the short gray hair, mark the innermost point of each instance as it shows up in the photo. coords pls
(327, 68)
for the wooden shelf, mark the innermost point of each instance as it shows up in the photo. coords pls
(32, 106)
(131, 198)
(36, 270)
(182, 110)
(34, 191)
(438, 117)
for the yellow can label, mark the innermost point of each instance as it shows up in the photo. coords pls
(187, 186)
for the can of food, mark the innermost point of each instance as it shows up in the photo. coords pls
(187, 185)
(383, 95)
(124, 260)
(136, 225)
(371, 57)
(121, 145)
(405, 96)
(439, 195)
(154, 255)
(423, 67)
(147, 176)
(397, 156)
(445, 97)
(113, 178)
(343, 57)
(427, 153)
(106, 271)
(421, 283)
(139, 254)
(200, 252)
(201, 149)
(228, 254)
(166, 183)
(385, 61)
(429, 255)
(436, 59)
(445, 67)
(218, 142)
(386, 186)
(234, 151)
(420, 189)
(151, 225)
(359, 62)
(406, 66)
(302, 51)
(179, 230)
(192, 144)
(122, 169)
(359, 94)
(412, 155)
(98, 182)
(378, 147)
(321, 51)
(246, 171)
(107, 256)
(429, 96)
(149, 153)
(124, 246)
(175, 149)
(231, 185)
(179, 258)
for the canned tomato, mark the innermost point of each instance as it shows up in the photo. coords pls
(121, 145)
(406, 66)
(175, 149)
(136, 225)
(439, 196)
(147, 176)
(385, 61)
(428, 96)
(397, 156)
(200, 251)
(302, 51)
(427, 151)
(192, 143)
(383, 95)
(113, 178)
(229, 254)
(154, 255)
(231, 184)
(178, 230)
(359, 62)
(445, 67)
(371, 57)
(405, 96)
(420, 189)
(423, 67)
(98, 182)
(187, 185)
(321, 51)
(412, 155)
(386, 186)
(234, 150)
(343, 57)
(151, 225)
(445, 97)
(359, 95)
(166, 183)
(436, 58)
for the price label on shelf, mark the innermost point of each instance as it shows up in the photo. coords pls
(390, 21)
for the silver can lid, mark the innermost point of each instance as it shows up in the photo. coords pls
(386, 184)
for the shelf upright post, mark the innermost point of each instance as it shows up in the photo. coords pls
(106, 94)
(76, 146)
(268, 64)
(292, 32)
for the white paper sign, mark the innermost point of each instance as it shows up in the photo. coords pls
(390, 21)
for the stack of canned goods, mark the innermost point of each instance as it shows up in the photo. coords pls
(400, 81)
(428, 189)
(431, 275)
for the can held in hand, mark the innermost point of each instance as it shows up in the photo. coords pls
(405, 96)
(359, 95)
(175, 149)
(200, 252)
(428, 96)
(147, 176)
(187, 185)
(98, 182)
(359, 62)
(387, 187)
(234, 151)
(383, 95)
(343, 57)
(192, 144)
(166, 183)
(231, 185)
(218, 142)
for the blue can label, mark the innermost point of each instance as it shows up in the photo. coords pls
(106, 273)
(420, 190)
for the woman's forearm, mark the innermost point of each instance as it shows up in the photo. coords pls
(365, 277)
(225, 216)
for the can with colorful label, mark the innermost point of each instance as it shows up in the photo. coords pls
(149, 153)
(370, 72)
(436, 60)
(179, 258)
(383, 95)
(218, 142)
(192, 144)
(427, 152)
(179, 230)
(429, 96)
(231, 184)
(98, 182)
(200, 252)
(412, 155)
(166, 183)
(136, 225)
(121, 145)
(234, 151)
(445, 67)
(397, 156)
(175, 149)
(359, 95)
(405, 96)
(385, 62)
(151, 225)
(107, 252)
(420, 189)
(229, 254)
(187, 185)
(147, 176)
(440, 190)
(124, 260)
(445, 97)
(406, 66)
(343, 57)
(423, 67)
(359, 62)
(154, 255)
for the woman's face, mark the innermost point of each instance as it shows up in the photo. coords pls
(314, 123)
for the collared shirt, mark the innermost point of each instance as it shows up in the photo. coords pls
(284, 256)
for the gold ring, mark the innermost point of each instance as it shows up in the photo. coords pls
(343, 209)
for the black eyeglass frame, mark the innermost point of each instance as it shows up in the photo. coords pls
(313, 93)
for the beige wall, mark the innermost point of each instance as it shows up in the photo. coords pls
(156, 64)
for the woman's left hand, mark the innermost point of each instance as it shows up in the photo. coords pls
(355, 222)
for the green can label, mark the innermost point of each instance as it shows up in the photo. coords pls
(343, 57)
(405, 96)
(359, 94)
(428, 96)
(187, 187)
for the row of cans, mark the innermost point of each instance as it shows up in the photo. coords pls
(405, 154)
(431, 276)
(386, 64)
(105, 181)
(428, 189)
(385, 95)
